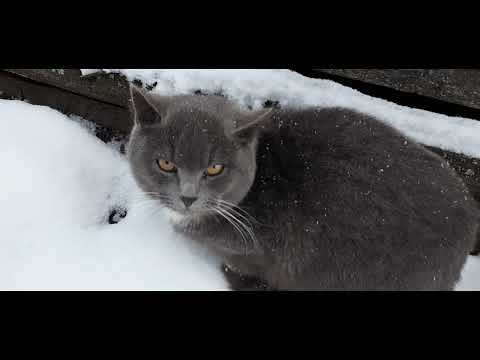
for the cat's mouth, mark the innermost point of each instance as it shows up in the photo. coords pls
(179, 215)
(176, 211)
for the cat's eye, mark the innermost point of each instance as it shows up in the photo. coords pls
(166, 165)
(215, 169)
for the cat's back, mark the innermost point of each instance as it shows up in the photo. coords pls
(349, 185)
(328, 147)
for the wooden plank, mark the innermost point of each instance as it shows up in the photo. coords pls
(109, 88)
(103, 113)
(458, 86)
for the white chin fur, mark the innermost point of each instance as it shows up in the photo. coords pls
(173, 216)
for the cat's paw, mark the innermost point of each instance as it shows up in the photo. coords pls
(240, 282)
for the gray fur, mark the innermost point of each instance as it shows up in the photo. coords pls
(329, 199)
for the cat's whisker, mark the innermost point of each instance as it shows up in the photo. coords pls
(243, 229)
(153, 199)
(231, 221)
(157, 211)
(247, 228)
(143, 202)
(152, 194)
(152, 210)
(235, 214)
(143, 207)
(238, 208)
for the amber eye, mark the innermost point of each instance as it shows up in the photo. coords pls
(166, 165)
(215, 169)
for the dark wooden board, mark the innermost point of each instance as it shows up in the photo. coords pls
(459, 86)
(104, 113)
(109, 88)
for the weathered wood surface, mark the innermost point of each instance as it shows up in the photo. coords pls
(106, 114)
(109, 88)
(103, 99)
(459, 86)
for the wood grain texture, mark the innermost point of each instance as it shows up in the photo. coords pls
(105, 114)
(459, 86)
(109, 88)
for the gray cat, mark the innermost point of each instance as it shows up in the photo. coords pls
(303, 199)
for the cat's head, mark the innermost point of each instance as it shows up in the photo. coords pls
(193, 153)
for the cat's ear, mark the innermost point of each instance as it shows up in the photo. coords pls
(145, 112)
(254, 123)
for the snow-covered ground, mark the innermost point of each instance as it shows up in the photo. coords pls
(59, 184)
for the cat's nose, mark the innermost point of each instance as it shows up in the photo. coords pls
(188, 200)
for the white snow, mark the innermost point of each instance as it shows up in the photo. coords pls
(86, 72)
(59, 182)
(255, 86)
(471, 275)
(57, 186)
